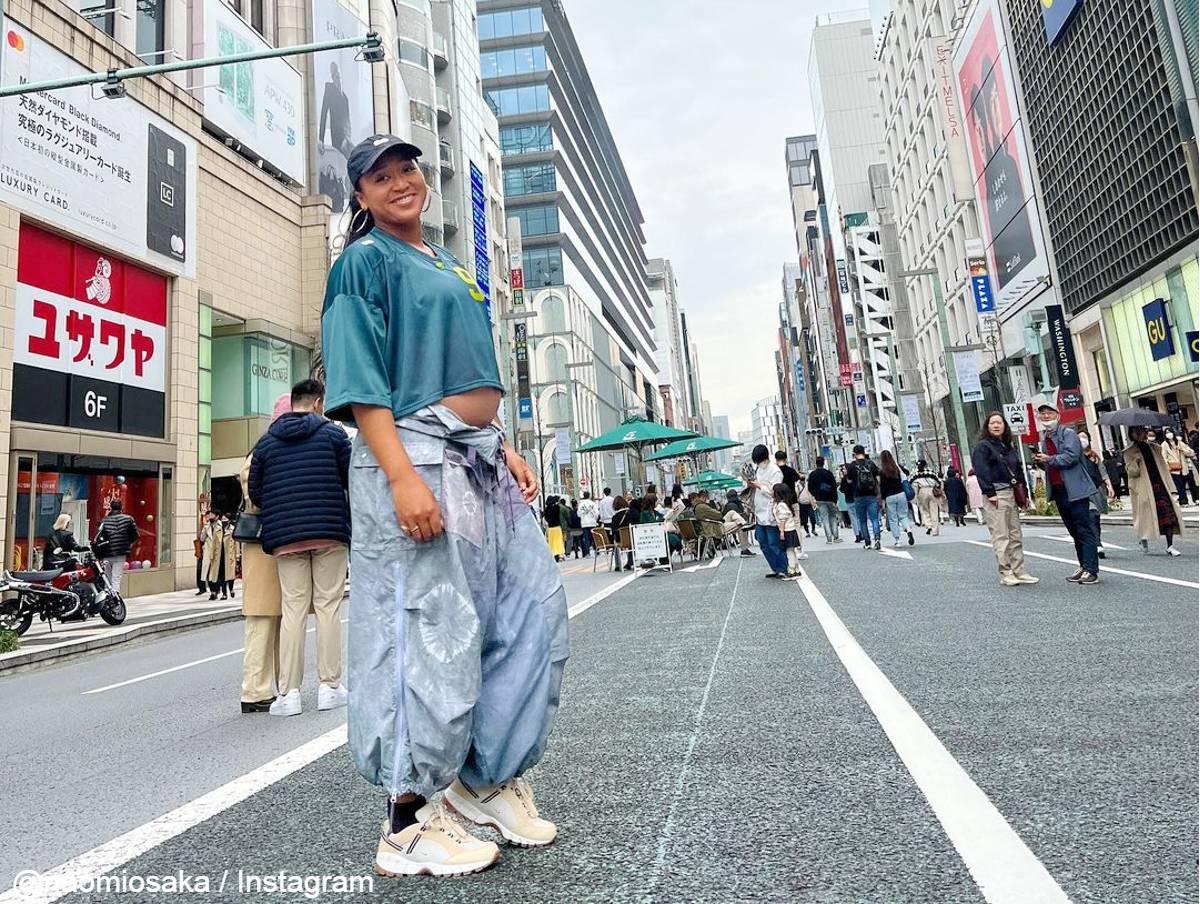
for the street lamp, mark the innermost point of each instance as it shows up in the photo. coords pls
(960, 423)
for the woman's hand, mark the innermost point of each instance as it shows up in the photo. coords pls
(993, 502)
(416, 507)
(522, 474)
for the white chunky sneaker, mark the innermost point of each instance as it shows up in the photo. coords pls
(509, 807)
(287, 704)
(434, 845)
(331, 696)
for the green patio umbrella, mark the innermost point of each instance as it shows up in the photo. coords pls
(712, 479)
(697, 446)
(635, 433)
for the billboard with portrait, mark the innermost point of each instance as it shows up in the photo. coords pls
(343, 99)
(999, 159)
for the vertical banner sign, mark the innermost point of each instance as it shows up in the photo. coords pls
(912, 412)
(966, 366)
(948, 118)
(479, 223)
(1193, 344)
(90, 344)
(344, 101)
(1060, 344)
(520, 328)
(981, 284)
(562, 445)
(1158, 329)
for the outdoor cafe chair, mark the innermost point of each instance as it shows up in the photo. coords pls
(602, 543)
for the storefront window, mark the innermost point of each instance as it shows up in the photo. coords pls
(252, 370)
(166, 517)
(83, 486)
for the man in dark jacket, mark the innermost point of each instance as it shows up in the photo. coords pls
(824, 488)
(118, 532)
(790, 475)
(298, 479)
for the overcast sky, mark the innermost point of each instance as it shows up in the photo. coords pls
(700, 95)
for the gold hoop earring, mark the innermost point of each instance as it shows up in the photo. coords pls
(428, 201)
(355, 225)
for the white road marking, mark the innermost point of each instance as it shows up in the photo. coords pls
(75, 637)
(716, 560)
(681, 781)
(1001, 864)
(896, 553)
(176, 668)
(52, 884)
(1130, 574)
(1068, 539)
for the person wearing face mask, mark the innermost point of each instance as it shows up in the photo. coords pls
(458, 616)
(1156, 512)
(1070, 489)
(1181, 462)
(1104, 489)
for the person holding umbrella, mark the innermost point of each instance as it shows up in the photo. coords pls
(1156, 512)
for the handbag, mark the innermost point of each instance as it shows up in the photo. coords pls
(909, 493)
(1020, 491)
(806, 498)
(248, 527)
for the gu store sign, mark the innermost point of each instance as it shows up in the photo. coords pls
(90, 341)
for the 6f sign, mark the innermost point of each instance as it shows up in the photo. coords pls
(94, 404)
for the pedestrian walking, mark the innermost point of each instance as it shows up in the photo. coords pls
(997, 467)
(299, 476)
(790, 475)
(1181, 462)
(789, 534)
(459, 634)
(975, 494)
(117, 534)
(895, 500)
(1104, 491)
(556, 535)
(956, 497)
(807, 505)
(262, 615)
(766, 532)
(931, 497)
(824, 489)
(220, 552)
(1070, 489)
(1114, 467)
(589, 518)
(576, 532)
(1156, 512)
(864, 478)
(846, 503)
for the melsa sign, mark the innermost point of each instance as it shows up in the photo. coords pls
(90, 340)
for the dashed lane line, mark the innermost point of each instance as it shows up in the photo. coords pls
(1002, 865)
(1158, 578)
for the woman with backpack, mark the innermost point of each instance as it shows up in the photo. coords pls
(1002, 481)
(930, 497)
(895, 499)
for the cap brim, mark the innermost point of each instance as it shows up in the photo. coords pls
(411, 151)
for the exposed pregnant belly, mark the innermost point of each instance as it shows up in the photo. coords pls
(477, 407)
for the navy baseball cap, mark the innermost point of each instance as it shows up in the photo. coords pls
(368, 151)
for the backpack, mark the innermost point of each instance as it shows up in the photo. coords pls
(866, 483)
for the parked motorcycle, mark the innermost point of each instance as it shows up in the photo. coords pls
(78, 591)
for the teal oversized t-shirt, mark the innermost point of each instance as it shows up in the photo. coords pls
(401, 329)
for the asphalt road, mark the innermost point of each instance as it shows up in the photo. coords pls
(715, 745)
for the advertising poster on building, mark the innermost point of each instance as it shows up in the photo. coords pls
(562, 445)
(999, 159)
(1062, 347)
(344, 100)
(948, 117)
(90, 343)
(912, 412)
(109, 171)
(261, 104)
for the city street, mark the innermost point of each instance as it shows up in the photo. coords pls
(892, 727)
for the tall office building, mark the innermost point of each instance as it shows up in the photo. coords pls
(1113, 144)
(849, 130)
(581, 228)
(670, 352)
(766, 424)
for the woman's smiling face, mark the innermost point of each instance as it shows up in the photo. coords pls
(394, 190)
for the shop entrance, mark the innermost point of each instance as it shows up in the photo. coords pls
(44, 485)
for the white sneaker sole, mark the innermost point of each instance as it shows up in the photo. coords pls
(395, 866)
(286, 710)
(468, 810)
(325, 705)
